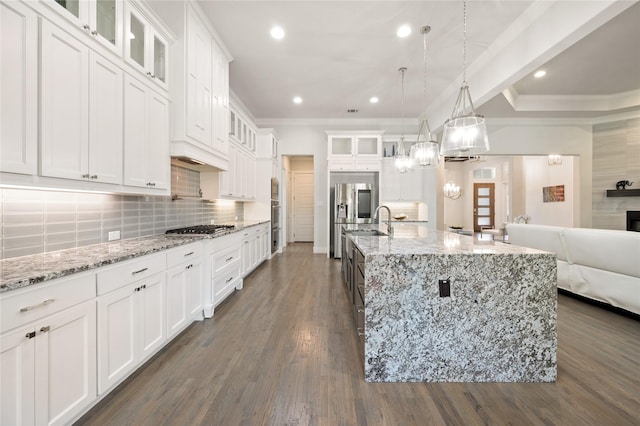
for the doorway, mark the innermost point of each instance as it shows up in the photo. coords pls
(302, 208)
(483, 206)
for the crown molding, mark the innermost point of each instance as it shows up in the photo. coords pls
(603, 103)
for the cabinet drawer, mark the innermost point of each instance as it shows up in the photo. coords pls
(341, 164)
(131, 271)
(22, 306)
(226, 279)
(221, 243)
(184, 254)
(225, 258)
(368, 165)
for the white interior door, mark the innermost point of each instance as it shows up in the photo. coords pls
(302, 207)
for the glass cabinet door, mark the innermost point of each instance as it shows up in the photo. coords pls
(341, 145)
(136, 34)
(367, 145)
(106, 20)
(159, 59)
(72, 6)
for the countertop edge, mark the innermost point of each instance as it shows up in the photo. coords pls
(152, 244)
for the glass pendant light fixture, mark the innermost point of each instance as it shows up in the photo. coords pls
(403, 160)
(425, 151)
(465, 133)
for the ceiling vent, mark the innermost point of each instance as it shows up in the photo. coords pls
(352, 110)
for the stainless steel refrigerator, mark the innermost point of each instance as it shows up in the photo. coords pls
(351, 203)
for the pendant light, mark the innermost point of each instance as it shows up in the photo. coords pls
(465, 134)
(425, 151)
(403, 160)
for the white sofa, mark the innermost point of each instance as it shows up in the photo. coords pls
(599, 264)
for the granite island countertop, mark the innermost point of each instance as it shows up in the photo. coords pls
(497, 325)
(24, 271)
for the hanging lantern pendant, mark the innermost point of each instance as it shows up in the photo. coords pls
(464, 134)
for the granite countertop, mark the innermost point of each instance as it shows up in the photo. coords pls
(418, 239)
(20, 272)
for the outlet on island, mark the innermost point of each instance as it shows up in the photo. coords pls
(114, 235)
(445, 287)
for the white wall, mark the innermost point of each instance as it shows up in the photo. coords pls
(538, 174)
(544, 137)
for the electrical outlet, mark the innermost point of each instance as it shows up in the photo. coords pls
(445, 287)
(212, 222)
(236, 217)
(114, 235)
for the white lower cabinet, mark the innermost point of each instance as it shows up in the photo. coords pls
(48, 368)
(224, 269)
(184, 287)
(130, 328)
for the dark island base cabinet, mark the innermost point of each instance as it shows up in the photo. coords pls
(353, 268)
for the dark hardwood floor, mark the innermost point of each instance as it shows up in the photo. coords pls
(284, 351)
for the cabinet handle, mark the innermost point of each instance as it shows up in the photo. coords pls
(189, 254)
(143, 286)
(228, 259)
(30, 335)
(86, 176)
(93, 177)
(94, 33)
(136, 289)
(189, 266)
(137, 272)
(86, 27)
(246, 242)
(360, 331)
(45, 329)
(230, 279)
(360, 309)
(43, 303)
(148, 74)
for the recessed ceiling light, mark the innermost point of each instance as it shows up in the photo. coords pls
(540, 74)
(374, 100)
(404, 31)
(277, 33)
(297, 100)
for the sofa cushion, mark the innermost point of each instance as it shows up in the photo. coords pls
(609, 250)
(541, 237)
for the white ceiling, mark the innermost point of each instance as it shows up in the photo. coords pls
(337, 54)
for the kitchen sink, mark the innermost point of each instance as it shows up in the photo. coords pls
(367, 233)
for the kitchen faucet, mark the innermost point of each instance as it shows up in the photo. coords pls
(389, 227)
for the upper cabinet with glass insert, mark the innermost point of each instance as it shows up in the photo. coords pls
(145, 47)
(101, 19)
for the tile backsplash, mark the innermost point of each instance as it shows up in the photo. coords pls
(35, 221)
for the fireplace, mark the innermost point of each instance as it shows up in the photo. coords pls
(633, 220)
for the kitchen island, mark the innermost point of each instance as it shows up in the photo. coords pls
(498, 323)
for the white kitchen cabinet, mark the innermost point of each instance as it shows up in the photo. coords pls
(81, 110)
(146, 47)
(146, 136)
(396, 186)
(184, 287)
(199, 91)
(255, 247)
(48, 368)
(130, 328)
(19, 88)
(354, 151)
(224, 269)
(220, 98)
(100, 19)
(199, 80)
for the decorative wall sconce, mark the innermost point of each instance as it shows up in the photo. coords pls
(451, 190)
(555, 159)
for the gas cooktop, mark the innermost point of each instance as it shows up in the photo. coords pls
(202, 229)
